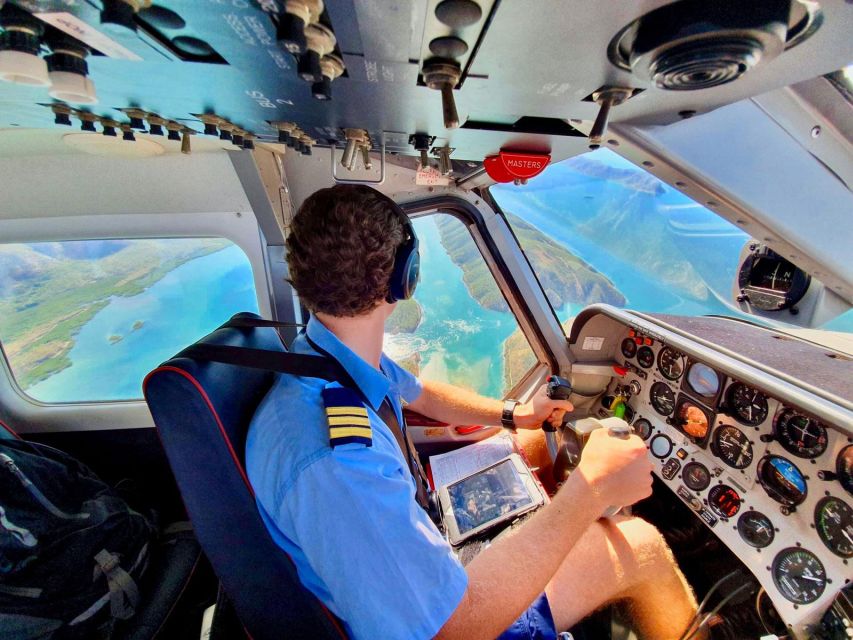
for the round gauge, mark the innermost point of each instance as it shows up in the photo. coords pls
(635, 387)
(645, 357)
(800, 435)
(747, 405)
(696, 476)
(643, 428)
(660, 446)
(782, 480)
(756, 529)
(629, 348)
(662, 398)
(833, 519)
(724, 501)
(771, 282)
(844, 468)
(731, 445)
(670, 363)
(692, 421)
(799, 575)
(703, 380)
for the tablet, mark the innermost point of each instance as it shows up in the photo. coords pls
(494, 495)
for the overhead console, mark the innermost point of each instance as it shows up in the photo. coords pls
(751, 429)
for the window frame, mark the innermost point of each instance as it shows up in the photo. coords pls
(31, 415)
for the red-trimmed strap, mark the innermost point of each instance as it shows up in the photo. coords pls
(213, 412)
(9, 429)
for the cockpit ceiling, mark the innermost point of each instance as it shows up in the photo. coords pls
(527, 74)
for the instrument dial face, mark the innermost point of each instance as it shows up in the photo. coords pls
(629, 348)
(643, 428)
(696, 476)
(645, 357)
(800, 435)
(756, 529)
(748, 405)
(782, 480)
(662, 398)
(703, 380)
(724, 501)
(660, 446)
(670, 363)
(692, 420)
(833, 519)
(799, 575)
(731, 445)
(844, 468)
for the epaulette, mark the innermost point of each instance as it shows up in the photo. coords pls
(347, 417)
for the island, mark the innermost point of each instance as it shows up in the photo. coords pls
(564, 277)
(115, 339)
(51, 290)
(137, 325)
(406, 318)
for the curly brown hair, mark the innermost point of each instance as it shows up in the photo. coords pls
(341, 248)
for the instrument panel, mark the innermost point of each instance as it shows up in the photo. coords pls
(774, 483)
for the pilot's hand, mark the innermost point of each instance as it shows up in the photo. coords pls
(541, 408)
(618, 470)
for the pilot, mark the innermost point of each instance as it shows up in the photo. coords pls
(335, 487)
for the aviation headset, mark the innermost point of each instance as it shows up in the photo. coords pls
(407, 259)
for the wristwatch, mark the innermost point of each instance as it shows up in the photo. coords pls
(507, 419)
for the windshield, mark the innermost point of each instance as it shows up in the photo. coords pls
(635, 241)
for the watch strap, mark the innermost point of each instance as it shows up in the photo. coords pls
(507, 418)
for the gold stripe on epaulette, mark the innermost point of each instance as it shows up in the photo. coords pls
(344, 432)
(348, 420)
(346, 411)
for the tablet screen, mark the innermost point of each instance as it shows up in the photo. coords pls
(487, 496)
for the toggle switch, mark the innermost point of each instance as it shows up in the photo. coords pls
(20, 43)
(284, 129)
(186, 147)
(155, 124)
(174, 129)
(307, 144)
(249, 141)
(442, 75)
(238, 137)
(607, 97)
(61, 114)
(109, 127)
(445, 167)
(331, 67)
(320, 42)
(295, 137)
(211, 122)
(137, 118)
(87, 121)
(298, 14)
(365, 155)
(421, 143)
(225, 129)
(127, 133)
(355, 138)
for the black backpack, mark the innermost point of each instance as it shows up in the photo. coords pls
(71, 550)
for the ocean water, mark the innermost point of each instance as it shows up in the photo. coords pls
(187, 303)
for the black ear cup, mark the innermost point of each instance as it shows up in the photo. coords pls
(407, 266)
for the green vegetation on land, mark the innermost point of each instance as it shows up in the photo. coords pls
(48, 293)
(564, 277)
(406, 317)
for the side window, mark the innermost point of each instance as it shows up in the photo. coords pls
(458, 327)
(85, 320)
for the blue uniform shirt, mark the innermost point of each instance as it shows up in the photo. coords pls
(348, 516)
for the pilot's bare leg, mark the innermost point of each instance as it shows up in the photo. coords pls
(628, 560)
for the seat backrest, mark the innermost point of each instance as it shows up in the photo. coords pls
(6, 432)
(202, 411)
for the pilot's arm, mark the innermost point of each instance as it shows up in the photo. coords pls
(454, 405)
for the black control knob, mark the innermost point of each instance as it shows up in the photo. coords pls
(558, 389)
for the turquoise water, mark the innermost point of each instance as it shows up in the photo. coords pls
(187, 303)
(459, 341)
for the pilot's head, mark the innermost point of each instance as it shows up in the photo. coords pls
(341, 250)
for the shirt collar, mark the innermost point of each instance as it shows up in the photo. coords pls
(371, 382)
